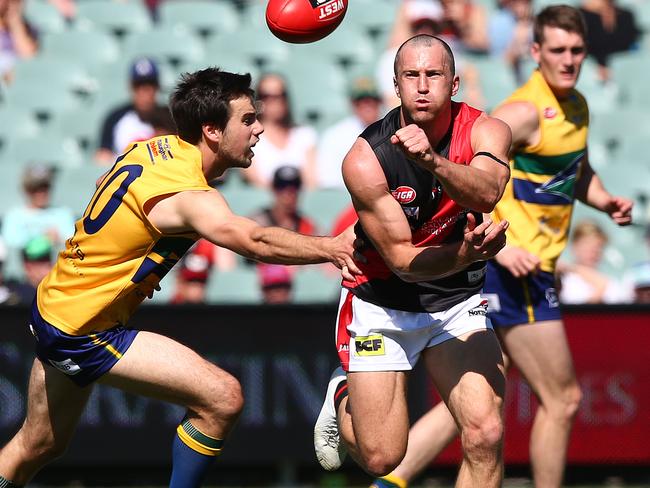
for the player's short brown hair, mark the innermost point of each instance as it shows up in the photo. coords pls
(564, 17)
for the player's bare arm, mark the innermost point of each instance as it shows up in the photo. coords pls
(208, 214)
(384, 222)
(591, 191)
(478, 186)
(523, 120)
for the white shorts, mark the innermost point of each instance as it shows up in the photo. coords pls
(374, 338)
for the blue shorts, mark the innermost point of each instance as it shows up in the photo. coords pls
(515, 301)
(82, 358)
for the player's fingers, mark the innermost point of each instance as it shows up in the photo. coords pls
(470, 225)
(394, 139)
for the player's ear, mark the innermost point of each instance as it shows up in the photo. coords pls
(455, 85)
(535, 51)
(212, 133)
(396, 87)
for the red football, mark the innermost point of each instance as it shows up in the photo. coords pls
(302, 21)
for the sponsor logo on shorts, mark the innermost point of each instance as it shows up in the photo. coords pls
(494, 302)
(344, 347)
(372, 345)
(481, 309)
(66, 366)
(404, 194)
(551, 298)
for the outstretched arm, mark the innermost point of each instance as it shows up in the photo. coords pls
(478, 186)
(208, 214)
(384, 222)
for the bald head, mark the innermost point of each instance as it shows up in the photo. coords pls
(425, 41)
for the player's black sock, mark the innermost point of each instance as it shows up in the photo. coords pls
(5, 483)
(340, 393)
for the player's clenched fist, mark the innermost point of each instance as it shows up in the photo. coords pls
(414, 143)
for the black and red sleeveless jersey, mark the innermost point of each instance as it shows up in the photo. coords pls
(433, 216)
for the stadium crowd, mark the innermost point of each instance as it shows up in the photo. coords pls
(80, 81)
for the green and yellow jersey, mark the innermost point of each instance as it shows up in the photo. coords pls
(116, 255)
(538, 200)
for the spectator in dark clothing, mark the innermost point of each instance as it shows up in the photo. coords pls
(37, 263)
(610, 29)
(131, 122)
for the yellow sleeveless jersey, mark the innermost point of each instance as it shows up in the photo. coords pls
(116, 256)
(538, 199)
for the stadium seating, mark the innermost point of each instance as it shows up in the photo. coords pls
(118, 18)
(323, 206)
(44, 17)
(89, 49)
(203, 17)
(312, 284)
(239, 286)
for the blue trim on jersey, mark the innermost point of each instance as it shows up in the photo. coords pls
(82, 358)
(521, 300)
(530, 192)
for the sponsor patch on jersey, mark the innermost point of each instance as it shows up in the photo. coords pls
(550, 113)
(475, 275)
(481, 309)
(552, 298)
(404, 194)
(67, 366)
(372, 345)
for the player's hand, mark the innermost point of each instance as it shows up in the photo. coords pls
(484, 241)
(518, 261)
(414, 143)
(620, 210)
(343, 254)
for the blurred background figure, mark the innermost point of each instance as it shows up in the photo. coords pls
(282, 142)
(17, 38)
(162, 122)
(7, 294)
(464, 26)
(283, 212)
(581, 280)
(337, 140)
(610, 29)
(431, 17)
(37, 263)
(131, 122)
(37, 217)
(194, 272)
(276, 283)
(510, 32)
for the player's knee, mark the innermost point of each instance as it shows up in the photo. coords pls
(483, 436)
(566, 405)
(380, 462)
(228, 402)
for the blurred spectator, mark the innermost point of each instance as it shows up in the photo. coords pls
(511, 34)
(344, 220)
(638, 276)
(275, 282)
(283, 142)
(194, 272)
(464, 26)
(283, 211)
(131, 122)
(424, 17)
(7, 294)
(37, 263)
(17, 37)
(37, 217)
(337, 140)
(610, 29)
(581, 281)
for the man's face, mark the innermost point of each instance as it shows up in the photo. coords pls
(240, 134)
(287, 197)
(39, 197)
(367, 109)
(144, 97)
(560, 57)
(424, 82)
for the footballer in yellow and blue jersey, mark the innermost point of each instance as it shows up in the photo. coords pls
(538, 202)
(115, 259)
